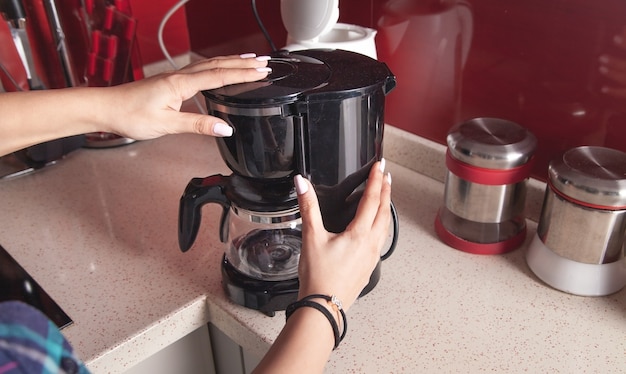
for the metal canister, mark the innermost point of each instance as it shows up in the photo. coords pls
(579, 246)
(488, 162)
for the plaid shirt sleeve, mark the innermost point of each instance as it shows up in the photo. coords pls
(31, 343)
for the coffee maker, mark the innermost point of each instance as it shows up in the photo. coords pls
(319, 113)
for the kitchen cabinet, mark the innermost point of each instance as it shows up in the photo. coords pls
(192, 354)
(230, 357)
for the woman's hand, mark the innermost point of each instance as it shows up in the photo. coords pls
(330, 264)
(143, 109)
(341, 264)
(151, 106)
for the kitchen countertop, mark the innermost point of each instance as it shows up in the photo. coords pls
(98, 231)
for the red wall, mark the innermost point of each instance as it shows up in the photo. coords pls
(175, 36)
(534, 62)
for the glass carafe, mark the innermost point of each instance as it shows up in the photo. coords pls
(264, 245)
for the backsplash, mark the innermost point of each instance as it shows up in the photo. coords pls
(149, 15)
(534, 62)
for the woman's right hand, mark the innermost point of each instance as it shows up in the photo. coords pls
(341, 264)
(330, 264)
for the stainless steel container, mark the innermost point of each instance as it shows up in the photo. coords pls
(579, 246)
(488, 161)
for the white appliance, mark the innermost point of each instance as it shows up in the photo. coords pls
(313, 24)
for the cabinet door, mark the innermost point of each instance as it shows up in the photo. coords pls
(191, 354)
(249, 361)
(230, 358)
(227, 354)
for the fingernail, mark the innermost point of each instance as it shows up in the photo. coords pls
(301, 185)
(248, 55)
(263, 58)
(222, 129)
(617, 39)
(381, 166)
(265, 69)
(603, 70)
(604, 59)
(389, 178)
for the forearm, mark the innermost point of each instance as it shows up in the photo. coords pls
(141, 110)
(303, 346)
(33, 117)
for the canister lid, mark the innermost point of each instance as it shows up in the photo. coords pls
(491, 143)
(592, 175)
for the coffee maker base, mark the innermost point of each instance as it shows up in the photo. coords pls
(269, 296)
(265, 296)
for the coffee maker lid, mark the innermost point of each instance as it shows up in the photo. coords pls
(312, 74)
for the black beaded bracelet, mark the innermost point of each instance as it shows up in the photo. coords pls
(306, 302)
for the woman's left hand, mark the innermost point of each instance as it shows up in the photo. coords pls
(151, 106)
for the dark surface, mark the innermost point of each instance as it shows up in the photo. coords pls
(17, 284)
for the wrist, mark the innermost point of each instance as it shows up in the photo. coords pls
(108, 103)
(96, 116)
(329, 306)
(345, 301)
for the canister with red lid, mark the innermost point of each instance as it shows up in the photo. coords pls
(488, 162)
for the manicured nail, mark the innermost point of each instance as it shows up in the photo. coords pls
(263, 58)
(248, 55)
(265, 69)
(222, 129)
(389, 178)
(604, 59)
(381, 166)
(301, 185)
(617, 39)
(603, 70)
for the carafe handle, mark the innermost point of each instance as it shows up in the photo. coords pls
(201, 191)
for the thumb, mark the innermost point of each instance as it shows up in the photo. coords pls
(209, 125)
(202, 124)
(308, 204)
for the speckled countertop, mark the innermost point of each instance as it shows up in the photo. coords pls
(99, 232)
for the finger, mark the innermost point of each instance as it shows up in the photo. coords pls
(186, 86)
(312, 223)
(230, 62)
(210, 79)
(234, 57)
(383, 216)
(187, 122)
(223, 64)
(370, 201)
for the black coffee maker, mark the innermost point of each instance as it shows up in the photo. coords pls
(320, 114)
